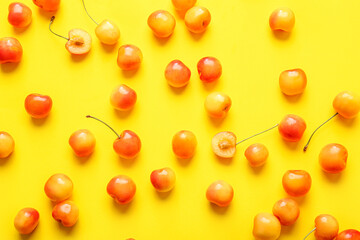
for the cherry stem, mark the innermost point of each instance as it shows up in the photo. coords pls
(309, 233)
(51, 22)
(88, 116)
(257, 134)
(308, 142)
(83, 2)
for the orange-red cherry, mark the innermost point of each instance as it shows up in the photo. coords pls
(349, 234)
(293, 82)
(123, 98)
(177, 74)
(347, 104)
(292, 128)
(220, 193)
(58, 187)
(162, 23)
(197, 19)
(163, 179)
(66, 212)
(38, 105)
(266, 227)
(287, 211)
(129, 57)
(282, 19)
(209, 69)
(296, 183)
(11, 50)
(19, 15)
(26, 220)
(82, 142)
(7, 144)
(47, 5)
(184, 144)
(256, 154)
(333, 158)
(122, 189)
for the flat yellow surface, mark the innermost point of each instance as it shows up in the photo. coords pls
(325, 43)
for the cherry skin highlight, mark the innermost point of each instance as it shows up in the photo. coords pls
(217, 104)
(293, 82)
(122, 189)
(209, 69)
(266, 227)
(11, 50)
(197, 19)
(287, 211)
(296, 183)
(333, 158)
(292, 128)
(177, 74)
(220, 193)
(7, 144)
(38, 105)
(349, 234)
(20, 15)
(26, 220)
(162, 23)
(184, 144)
(123, 98)
(66, 212)
(58, 187)
(82, 142)
(282, 19)
(163, 179)
(256, 154)
(129, 57)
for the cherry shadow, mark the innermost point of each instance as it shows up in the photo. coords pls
(19, 31)
(219, 210)
(9, 67)
(197, 36)
(129, 73)
(281, 35)
(163, 195)
(184, 162)
(161, 41)
(216, 122)
(332, 177)
(122, 114)
(127, 163)
(210, 86)
(176, 90)
(292, 99)
(292, 145)
(78, 58)
(347, 122)
(3, 161)
(287, 230)
(38, 121)
(256, 170)
(122, 208)
(300, 200)
(66, 230)
(225, 161)
(109, 48)
(81, 160)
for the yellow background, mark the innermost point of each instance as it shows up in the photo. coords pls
(325, 43)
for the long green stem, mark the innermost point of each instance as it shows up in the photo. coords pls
(51, 22)
(309, 233)
(83, 2)
(88, 116)
(257, 134)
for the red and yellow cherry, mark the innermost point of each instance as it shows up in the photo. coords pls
(177, 74)
(197, 19)
(127, 145)
(293, 82)
(292, 128)
(10, 50)
(209, 69)
(266, 227)
(129, 57)
(58, 187)
(217, 104)
(26, 220)
(223, 144)
(184, 144)
(82, 142)
(296, 183)
(37, 105)
(256, 154)
(78, 42)
(183, 5)
(220, 193)
(333, 158)
(162, 23)
(282, 19)
(7, 144)
(349, 234)
(66, 212)
(122, 189)
(326, 227)
(287, 211)
(47, 5)
(123, 98)
(163, 179)
(19, 15)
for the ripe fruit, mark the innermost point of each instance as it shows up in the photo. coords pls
(67, 213)
(282, 19)
(326, 227)
(293, 82)
(177, 74)
(296, 182)
(47, 5)
(256, 154)
(123, 98)
(349, 234)
(19, 15)
(162, 23)
(58, 187)
(197, 19)
(82, 142)
(292, 128)
(184, 144)
(163, 179)
(209, 69)
(217, 104)
(26, 220)
(129, 57)
(10, 50)
(183, 5)
(333, 158)
(122, 189)
(287, 211)
(7, 144)
(223, 144)
(37, 105)
(220, 193)
(266, 227)
(107, 32)
(127, 145)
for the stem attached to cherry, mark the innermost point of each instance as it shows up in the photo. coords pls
(307, 144)
(257, 134)
(309, 233)
(88, 116)
(83, 2)
(51, 22)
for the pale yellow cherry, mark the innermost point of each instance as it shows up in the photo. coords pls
(107, 32)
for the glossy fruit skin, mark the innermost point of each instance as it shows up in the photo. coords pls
(47, 5)
(296, 183)
(183, 5)
(66, 212)
(287, 211)
(58, 187)
(333, 158)
(209, 69)
(220, 193)
(197, 19)
(223, 144)
(128, 145)
(79, 42)
(184, 144)
(266, 227)
(162, 23)
(107, 32)
(349, 234)
(327, 227)
(10, 50)
(347, 104)
(163, 179)
(37, 105)
(292, 128)
(26, 220)
(293, 82)
(256, 154)
(282, 19)
(129, 57)
(19, 15)
(217, 104)
(122, 189)
(177, 74)
(123, 98)
(82, 142)
(7, 144)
